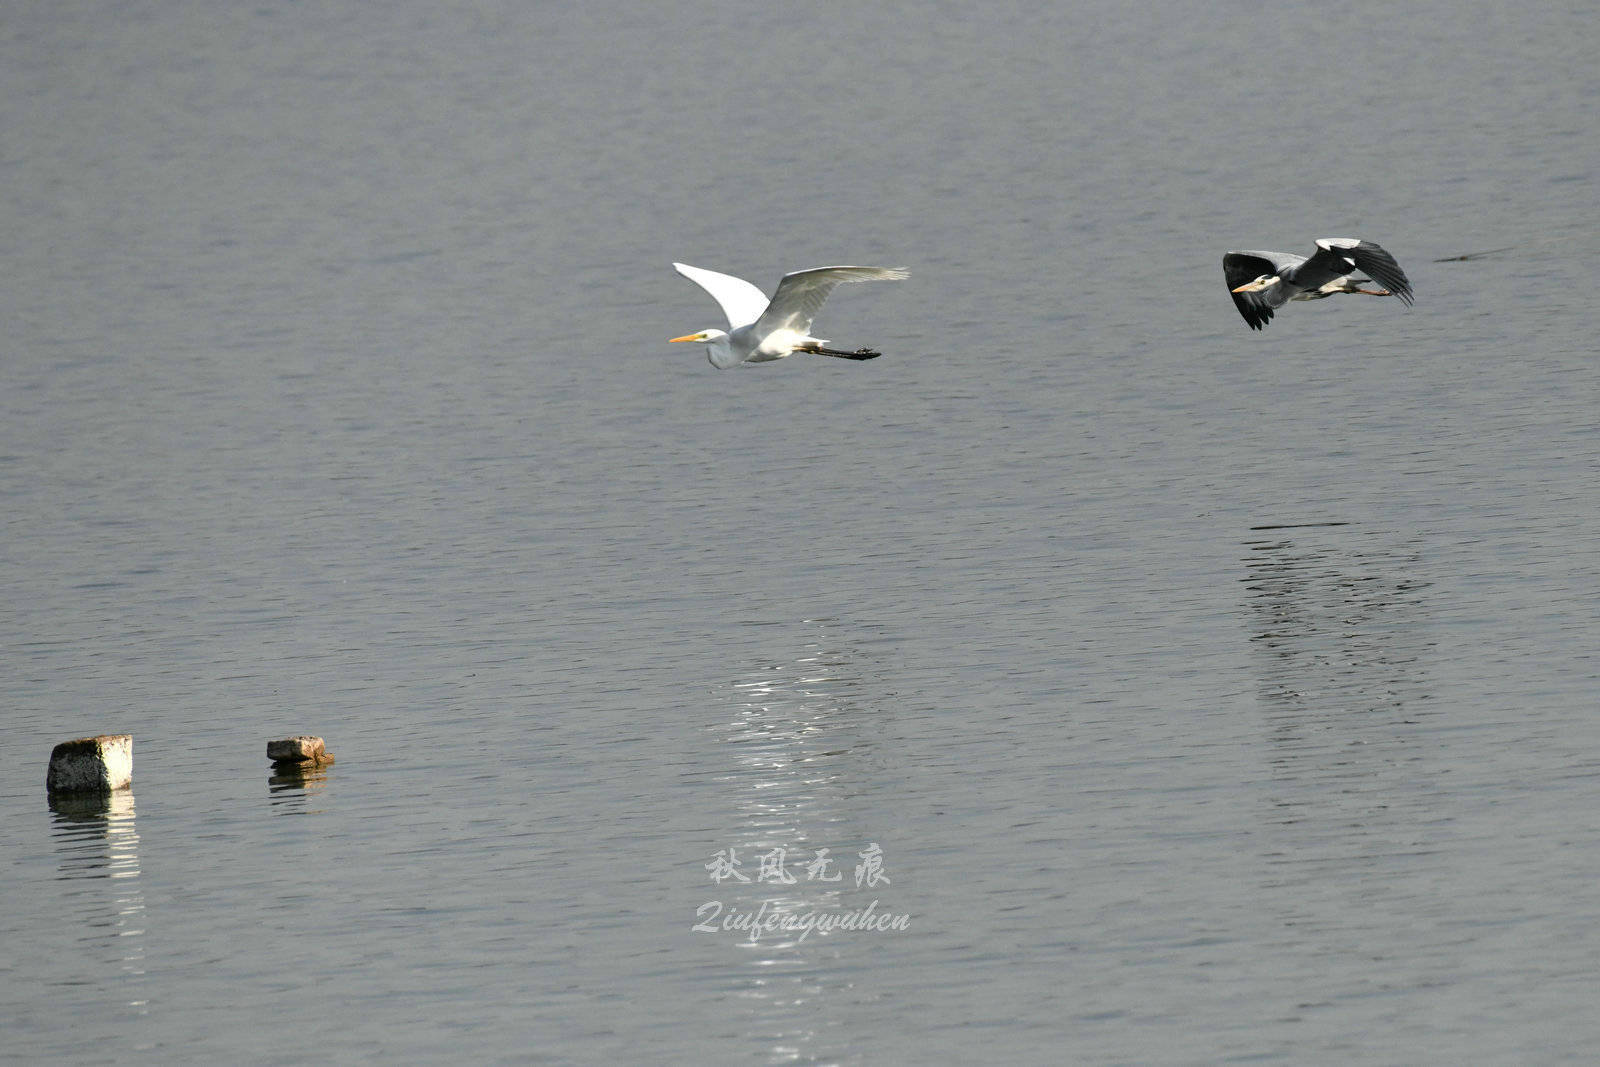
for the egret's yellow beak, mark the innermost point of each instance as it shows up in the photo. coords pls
(690, 337)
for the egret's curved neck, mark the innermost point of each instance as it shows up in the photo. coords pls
(720, 352)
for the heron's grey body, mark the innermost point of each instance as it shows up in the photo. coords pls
(1262, 282)
(762, 330)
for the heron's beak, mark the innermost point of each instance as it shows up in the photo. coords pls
(690, 337)
(1250, 287)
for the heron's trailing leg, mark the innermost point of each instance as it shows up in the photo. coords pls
(1353, 287)
(860, 353)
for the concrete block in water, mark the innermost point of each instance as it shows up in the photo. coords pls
(101, 764)
(298, 750)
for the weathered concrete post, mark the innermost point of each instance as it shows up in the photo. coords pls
(298, 752)
(101, 764)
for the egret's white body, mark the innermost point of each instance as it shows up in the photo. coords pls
(1262, 282)
(762, 330)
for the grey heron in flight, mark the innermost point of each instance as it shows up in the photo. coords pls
(1262, 282)
(759, 330)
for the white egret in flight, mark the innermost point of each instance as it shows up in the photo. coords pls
(1262, 282)
(760, 330)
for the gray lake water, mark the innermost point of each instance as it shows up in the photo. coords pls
(1194, 695)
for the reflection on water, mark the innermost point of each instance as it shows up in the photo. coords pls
(1342, 636)
(97, 846)
(794, 736)
(1340, 625)
(292, 787)
(797, 749)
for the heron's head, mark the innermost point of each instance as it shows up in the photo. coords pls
(1266, 281)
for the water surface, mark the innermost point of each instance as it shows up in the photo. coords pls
(1208, 695)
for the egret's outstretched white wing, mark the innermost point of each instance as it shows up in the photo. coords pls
(800, 295)
(742, 302)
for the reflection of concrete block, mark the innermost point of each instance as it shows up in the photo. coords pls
(91, 765)
(301, 749)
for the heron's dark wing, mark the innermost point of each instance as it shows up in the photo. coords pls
(1334, 258)
(1337, 257)
(801, 295)
(1381, 267)
(1241, 267)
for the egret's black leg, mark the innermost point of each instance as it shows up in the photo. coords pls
(860, 353)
